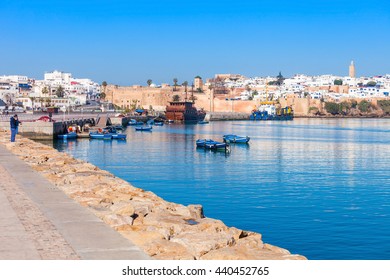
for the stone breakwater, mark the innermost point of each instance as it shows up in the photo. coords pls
(164, 230)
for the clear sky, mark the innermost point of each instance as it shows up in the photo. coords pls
(127, 42)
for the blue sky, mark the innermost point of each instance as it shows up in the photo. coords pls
(128, 42)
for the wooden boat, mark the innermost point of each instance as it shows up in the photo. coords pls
(70, 135)
(232, 138)
(184, 111)
(143, 128)
(211, 144)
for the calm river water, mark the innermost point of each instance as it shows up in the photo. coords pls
(317, 187)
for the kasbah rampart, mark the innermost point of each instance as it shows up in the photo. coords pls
(227, 99)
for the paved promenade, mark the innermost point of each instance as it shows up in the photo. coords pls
(38, 221)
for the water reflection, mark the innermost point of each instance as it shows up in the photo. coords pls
(302, 184)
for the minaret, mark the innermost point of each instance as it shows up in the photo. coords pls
(352, 70)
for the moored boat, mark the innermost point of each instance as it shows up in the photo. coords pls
(211, 144)
(120, 136)
(132, 122)
(183, 111)
(232, 138)
(100, 135)
(70, 135)
(143, 128)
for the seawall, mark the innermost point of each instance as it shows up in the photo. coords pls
(164, 230)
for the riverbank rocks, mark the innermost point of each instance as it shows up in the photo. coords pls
(164, 230)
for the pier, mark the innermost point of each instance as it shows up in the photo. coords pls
(38, 221)
(36, 129)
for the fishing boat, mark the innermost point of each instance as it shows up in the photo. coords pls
(143, 128)
(211, 144)
(70, 135)
(232, 138)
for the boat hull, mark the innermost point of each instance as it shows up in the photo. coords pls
(143, 128)
(70, 135)
(231, 138)
(211, 144)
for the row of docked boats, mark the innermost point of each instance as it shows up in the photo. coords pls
(211, 144)
(113, 132)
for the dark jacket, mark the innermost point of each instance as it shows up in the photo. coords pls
(14, 122)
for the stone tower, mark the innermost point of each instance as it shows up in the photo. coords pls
(198, 83)
(352, 70)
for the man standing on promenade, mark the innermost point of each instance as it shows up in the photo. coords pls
(14, 122)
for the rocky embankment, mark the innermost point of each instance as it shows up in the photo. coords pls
(164, 230)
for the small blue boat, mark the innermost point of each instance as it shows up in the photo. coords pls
(232, 138)
(100, 135)
(158, 123)
(211, 144)
(119, 136)
(144, 128)
(70, 135)
(132, 122)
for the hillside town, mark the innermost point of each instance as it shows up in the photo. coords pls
(222, 93)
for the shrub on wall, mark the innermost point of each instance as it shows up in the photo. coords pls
(385, 106)
(332, 108)
(364, 105)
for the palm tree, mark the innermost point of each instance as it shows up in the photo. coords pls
(149, 82)
(185, 84)
(104, 85)
(45, 91)
(174, 84)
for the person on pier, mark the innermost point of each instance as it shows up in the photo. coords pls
(14, 123)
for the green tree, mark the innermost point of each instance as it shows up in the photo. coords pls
(175, 84)
(385, 106)
(185, 84)
(338, 82)
(149, 82)
(176, 97)
(371, 84)
(364, 105)
(45, 91)
(345, 107)
(332, 108)
(60, 92)
(103, 92)
(104, 85)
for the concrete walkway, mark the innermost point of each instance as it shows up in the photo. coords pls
(38, 221)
